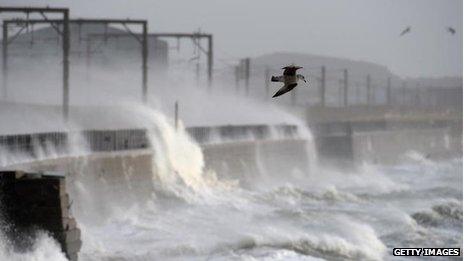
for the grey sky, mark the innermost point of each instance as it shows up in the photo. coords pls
(356, 29)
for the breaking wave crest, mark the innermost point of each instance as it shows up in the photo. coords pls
(293, 193)
(178, 163)
(449, 212)
(191, 213)
(43, 248)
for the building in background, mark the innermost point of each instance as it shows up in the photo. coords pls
(89, 42)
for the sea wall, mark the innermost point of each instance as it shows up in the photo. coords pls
(132, 171)
(250, 160)
(32, 201)
(389, 147)
(347, 143)
(103, 176)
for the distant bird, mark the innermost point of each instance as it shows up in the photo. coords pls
(451, 30)
(406, 30)
(289, 78)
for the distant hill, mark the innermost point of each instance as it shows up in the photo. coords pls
(316, 61)
(313, 64)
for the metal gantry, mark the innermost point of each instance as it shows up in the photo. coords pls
(322, 89)
(141, 38)
(193, 36)
(345, 87)
(64, 34)
(242, 72)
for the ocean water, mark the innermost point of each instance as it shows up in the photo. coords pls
(321, 214)
(355, 216)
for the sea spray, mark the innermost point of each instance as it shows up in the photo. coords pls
(177, 164)
(327, 213)
(178, 161)
(75, 145)
(43, 248)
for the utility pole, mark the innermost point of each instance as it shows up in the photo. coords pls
(389, 94)
(322, 89)
(5, 60)
(340, 93)
(345, 88)
(197, 52)
(247, 75)
(237, 70)
(176, 115)
(404, 92)
(368, 90)
(267, 75)
(210, 62)
(66, 64)
(197, 74)
(144, 62)
(373, 97)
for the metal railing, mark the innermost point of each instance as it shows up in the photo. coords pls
(131, 139)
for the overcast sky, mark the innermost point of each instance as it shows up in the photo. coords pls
(357, 29)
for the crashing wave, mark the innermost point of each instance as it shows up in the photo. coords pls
(43, 248)
(441, 214)
(292, 194)
(323, 246)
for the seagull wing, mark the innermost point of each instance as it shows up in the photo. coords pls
(291, 70)
(285, 89)
(405, 31)
(277, 78)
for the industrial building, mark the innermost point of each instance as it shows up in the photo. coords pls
(87, 41)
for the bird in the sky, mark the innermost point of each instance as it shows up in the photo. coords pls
(289, 78)
(451, 30)
(406, 30)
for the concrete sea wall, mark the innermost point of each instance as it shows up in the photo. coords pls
(132, 172)
(389, 147)
(250, 160)
(32, 201)
(102, 176)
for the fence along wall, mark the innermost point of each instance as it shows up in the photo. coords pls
(59, 142)
(130, 139)
(26, 143)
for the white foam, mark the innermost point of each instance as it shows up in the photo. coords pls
(44, 248)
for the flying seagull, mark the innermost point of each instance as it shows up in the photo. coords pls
(289, 78)
(451, 30)
(405, 31)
